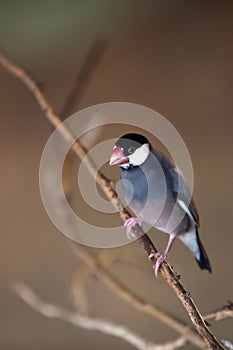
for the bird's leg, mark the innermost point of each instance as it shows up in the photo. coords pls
(160, 257)
(129, 224)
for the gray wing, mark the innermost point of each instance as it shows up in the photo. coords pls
(179, 186)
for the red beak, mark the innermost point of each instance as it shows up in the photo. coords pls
(118, 157)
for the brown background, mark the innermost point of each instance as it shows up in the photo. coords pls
(172, 56)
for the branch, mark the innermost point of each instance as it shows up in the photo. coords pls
(129, 296)
(94, 324)
(83, 76)
(225, 312)
(78, 288)
(111, 194)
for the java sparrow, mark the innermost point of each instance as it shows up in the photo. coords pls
(156, 192)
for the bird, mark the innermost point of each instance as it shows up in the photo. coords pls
(157, 194)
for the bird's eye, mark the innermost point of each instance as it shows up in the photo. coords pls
(131, 149)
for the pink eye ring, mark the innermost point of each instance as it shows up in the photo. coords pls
(131, 149)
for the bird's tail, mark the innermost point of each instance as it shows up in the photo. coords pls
(193, 242)
(203, 260)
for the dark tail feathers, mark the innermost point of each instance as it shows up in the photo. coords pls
(203, 262)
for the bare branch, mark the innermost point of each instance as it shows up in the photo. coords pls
(83, 76)
(78, 287)
(55, 311)
(129, 296)
(106, 186)
(81, 81)
(225, 312)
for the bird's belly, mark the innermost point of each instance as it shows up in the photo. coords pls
(167, 217)
(151, 213)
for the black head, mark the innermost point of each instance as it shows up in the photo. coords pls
(130, 142)
(130, 150)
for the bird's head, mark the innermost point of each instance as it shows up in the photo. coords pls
(130, 150)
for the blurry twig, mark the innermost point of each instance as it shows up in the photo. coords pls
(106, 186)
(84, 273)
(83, 76)
(224, 312)
(129, 296)
(55, 311)
(78, 287)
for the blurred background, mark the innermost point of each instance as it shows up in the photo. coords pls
(172, 56)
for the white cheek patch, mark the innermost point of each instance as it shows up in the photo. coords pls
(140, 155)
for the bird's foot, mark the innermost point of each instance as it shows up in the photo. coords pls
(160, 257)
(129, 224)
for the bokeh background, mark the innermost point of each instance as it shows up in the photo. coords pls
(172, 56)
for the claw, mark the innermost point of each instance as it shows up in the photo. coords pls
(160, 257)
(129, 224)
(153, 255)
(159, 262)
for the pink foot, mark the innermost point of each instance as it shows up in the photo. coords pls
(160, 257)
(129, 224)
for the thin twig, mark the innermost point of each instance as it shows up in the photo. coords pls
(111, 194)
(83, 76)
(225, 312)
(129, 296)
(78, 287)
(55, 311)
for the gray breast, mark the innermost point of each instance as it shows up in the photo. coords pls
(150, 193)
(145, 189)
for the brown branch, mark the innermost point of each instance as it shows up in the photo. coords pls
(78, 287)
(55, 311)
(225, 312)
(129, 296)
(111, 194)
(84, 75)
